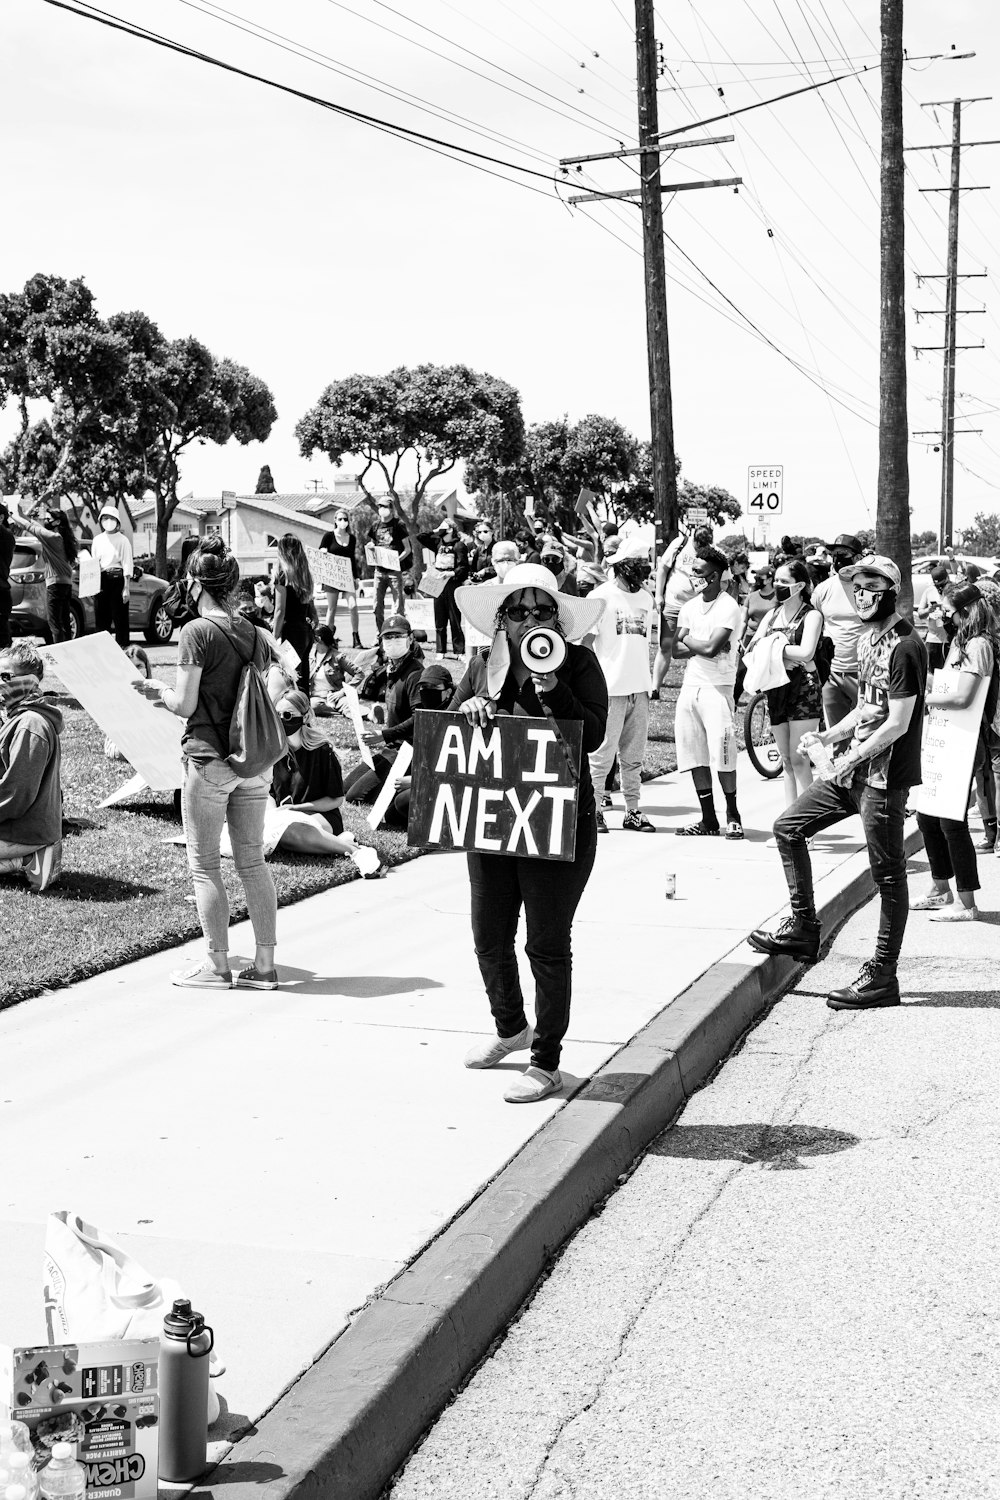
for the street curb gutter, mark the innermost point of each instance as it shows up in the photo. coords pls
(348, 1423)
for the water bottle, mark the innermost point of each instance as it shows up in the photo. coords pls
(63, 1478)
(183, 1381)
(14, 1438)
(20, 1474)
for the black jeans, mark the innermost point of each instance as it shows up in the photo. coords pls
(57, 597)
(446, 615)
(950, 850)
(882, 815)
(5, 608)
(111, 608)
(550, 891)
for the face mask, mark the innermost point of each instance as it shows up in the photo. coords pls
(873, 605)
(949, 625)
(291, 724)
(633, 575)
(783, 591)
(699, 585)
(395, 649)
(842, 560)
(502, 568)
(108, 525)
(554, 564)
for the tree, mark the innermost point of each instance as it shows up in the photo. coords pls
(983, 537)
(265, 484)
(427, 419)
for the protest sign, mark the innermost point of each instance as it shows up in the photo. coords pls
(507, 789)
(382, 557)
(90, 576)
(100, 676)
(352, 704)
(420, 614)
(948, 751)
(432, 583)
(329, 571)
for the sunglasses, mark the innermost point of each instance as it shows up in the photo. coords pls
(540, 612)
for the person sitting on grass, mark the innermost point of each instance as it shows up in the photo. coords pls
(309, 777)
(30, 758)
(330, 668)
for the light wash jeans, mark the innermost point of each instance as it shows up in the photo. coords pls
(214, 796)
(625, 736)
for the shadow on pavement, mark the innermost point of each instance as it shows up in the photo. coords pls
(358, 986)
(777, 1147)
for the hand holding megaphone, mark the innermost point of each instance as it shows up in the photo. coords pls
(543, 652)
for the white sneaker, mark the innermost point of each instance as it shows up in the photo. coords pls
(487, 1054)
(957, 914)
(534, 1084)
(44, 867)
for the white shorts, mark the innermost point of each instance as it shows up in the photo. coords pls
(704, 733)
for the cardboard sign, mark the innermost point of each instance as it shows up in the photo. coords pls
(352, 704)
(98, 673)
(432, 583)
(382, 557)
(399, 768)
(507, 789)
(90, 576)
(329, 571)
(948, 750)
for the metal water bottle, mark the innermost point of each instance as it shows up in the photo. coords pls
(183, 1378)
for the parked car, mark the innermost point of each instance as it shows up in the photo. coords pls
(28, 616)
(922, 570)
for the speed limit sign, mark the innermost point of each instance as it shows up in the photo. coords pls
(765, 489)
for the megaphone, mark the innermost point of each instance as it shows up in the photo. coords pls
(543, 650)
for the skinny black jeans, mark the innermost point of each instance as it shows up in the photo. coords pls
(57, 598)
(950, 850)
(882, 815)
(111, 608)
(550, 891)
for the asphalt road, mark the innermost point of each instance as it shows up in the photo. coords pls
(796, 1292)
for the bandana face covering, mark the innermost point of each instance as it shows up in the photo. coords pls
(874, 604)
(16, 690)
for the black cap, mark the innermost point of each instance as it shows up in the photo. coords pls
(846, 542)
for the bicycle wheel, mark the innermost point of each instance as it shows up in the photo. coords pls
(759, 738)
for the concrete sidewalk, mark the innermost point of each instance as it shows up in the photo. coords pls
(286, 1155)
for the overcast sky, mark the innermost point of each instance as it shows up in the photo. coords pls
(309, 246)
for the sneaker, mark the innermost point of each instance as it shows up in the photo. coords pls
(798, 937)
(44, 867)
(256, 979)
(201, 977)
(606, 801)
(534, 1084)
(733, 830)
(493, 1051)
(874, 987)
(698, 831)
(988, 842)
(602, 827)
(959, 914)
(637, 822)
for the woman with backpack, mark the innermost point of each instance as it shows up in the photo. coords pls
(972, 628)
(294, 618)
(796, 706)
(223, 661)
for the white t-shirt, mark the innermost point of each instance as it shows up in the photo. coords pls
(679, 588)
(841, 620)
(702, 621)
(622, 641)
(112, 549)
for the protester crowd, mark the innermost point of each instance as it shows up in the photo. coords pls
(819, 632)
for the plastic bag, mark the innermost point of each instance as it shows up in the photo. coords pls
(94, 1291)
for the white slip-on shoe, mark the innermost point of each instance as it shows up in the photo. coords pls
(957, 914)
(534, 1084)
(487, 1054)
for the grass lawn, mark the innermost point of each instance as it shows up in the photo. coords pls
(125, 892)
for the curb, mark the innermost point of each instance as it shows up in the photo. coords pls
(350, 1420)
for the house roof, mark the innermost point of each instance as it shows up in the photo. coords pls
(270, 505)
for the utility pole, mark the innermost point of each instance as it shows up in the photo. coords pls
(952, 311)
(892, 521)
(661, 411)
(649, 195)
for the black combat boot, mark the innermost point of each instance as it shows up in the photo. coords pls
(875, 985)
(797, 936)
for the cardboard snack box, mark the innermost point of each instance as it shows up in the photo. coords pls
(102, 1397)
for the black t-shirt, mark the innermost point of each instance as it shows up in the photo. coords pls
(393, 534)
(891, 665)
(307, 775)
(206, 644)
(348, 549)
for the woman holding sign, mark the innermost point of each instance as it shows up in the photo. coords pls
(972, 629)
(531, 625)
(340, 542)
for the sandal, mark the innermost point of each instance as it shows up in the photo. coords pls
(201, 977)
(698, 831)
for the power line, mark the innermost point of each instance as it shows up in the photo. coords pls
(388, 127)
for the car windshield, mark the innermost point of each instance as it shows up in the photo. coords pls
(24, 557)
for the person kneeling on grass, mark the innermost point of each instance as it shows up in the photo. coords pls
(30, 757)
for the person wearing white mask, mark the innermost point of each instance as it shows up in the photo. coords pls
(795, 707)
(112, 551)
(504, 557)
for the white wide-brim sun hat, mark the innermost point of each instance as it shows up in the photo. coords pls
(479, 602)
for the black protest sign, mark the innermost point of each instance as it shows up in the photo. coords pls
(507, 789)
